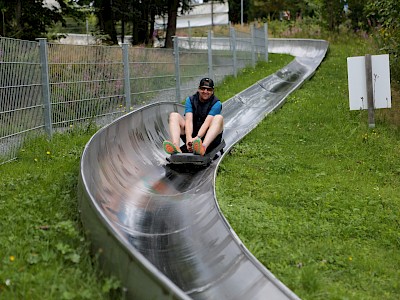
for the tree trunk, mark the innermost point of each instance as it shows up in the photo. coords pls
(123, 30)
(18, 16)
(152, 21)
(144, 24)
(107, 22)
(172, 17)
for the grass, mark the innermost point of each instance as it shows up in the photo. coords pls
(43, 252)
(317, 201)
(248, 76)
(314, 192)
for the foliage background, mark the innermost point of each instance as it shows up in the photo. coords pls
(113, 18)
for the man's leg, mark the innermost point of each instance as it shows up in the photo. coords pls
(176, 128)
(216, 127)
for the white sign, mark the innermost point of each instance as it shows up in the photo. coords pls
(380, 82)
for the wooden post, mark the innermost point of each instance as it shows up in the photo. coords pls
(370, 93)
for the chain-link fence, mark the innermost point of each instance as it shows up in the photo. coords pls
(46, 87)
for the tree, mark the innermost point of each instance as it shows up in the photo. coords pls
(140, 14)
(385, 14)
(30, 19)
(235, 11)
(267, 9)
(105, 12)
(356, 13)
(143, 26)
(272, 9)
(333, 13)
(173, 6)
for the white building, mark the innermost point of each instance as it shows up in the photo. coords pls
(201, 14)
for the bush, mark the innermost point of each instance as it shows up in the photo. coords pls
(384, 15)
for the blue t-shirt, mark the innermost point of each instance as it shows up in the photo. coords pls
(215, 109)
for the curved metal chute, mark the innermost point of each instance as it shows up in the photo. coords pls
(160, 231)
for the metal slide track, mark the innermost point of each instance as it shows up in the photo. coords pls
(161, 232)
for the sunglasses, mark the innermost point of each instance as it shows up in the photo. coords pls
(206, 89)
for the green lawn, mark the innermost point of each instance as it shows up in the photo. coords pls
(317, 201)
(43, 252)
(315, 194)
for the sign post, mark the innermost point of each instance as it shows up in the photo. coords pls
(369, 83)
(370, 93)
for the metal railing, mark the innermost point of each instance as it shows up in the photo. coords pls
(46, 87)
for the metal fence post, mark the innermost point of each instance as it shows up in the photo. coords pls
(210, 60)
(177, 69)
(127, 76)
(44, 64)
(266, 41)
(253, 46)
(233, 43)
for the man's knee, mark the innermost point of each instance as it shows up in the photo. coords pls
(174, 116)
(219, 119)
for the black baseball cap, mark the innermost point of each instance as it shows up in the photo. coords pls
(207, 82)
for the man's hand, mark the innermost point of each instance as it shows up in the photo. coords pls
(189, 144)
